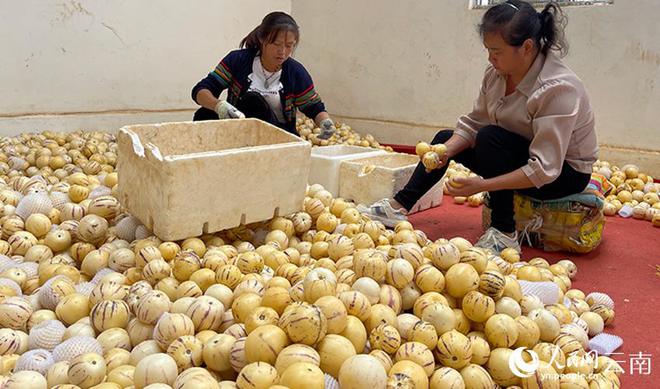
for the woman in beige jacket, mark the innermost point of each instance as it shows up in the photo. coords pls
(531, 128)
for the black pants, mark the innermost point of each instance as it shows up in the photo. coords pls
(496, 152)
(205, 114)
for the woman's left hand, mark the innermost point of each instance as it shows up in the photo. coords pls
(466, 186)
(327, 129)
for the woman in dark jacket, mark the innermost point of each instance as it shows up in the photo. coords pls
(263, 81)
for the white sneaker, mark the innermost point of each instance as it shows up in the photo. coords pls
(383, 212)
(496, 241)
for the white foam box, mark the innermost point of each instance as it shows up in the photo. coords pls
(432, 198)
(327, 159)
(184, 179)
(367, 180)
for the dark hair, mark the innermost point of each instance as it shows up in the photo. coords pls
(518, 21)
(267, 31)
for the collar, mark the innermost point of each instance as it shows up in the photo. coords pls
(528, 82)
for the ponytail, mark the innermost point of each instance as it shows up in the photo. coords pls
(553, 22)
(251, 41)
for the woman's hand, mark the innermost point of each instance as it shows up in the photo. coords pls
(466, 186)
(327, 129)
(326, 125)
(444, 159)
(224, 110)
(228, 111)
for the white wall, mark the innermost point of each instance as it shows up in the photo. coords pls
(101, 64)
(392, 60)
(401, 69)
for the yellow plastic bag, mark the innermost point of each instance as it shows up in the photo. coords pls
(555, 225)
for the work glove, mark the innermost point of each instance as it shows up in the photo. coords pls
(327, 129)
(228, 111)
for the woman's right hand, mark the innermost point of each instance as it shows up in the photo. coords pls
(228, 111)
(453, 146)
(444, 159)
(224, 110)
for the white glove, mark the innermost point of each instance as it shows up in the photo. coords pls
(327, 129)
(228, 111)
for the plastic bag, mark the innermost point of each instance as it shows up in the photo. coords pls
(556, 225)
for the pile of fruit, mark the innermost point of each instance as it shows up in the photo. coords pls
(633, 189)
(345, 135)
(322, 298)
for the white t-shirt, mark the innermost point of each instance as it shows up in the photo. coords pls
(268, 85)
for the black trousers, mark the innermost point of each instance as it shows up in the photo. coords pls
(205, 114)
(496, 152)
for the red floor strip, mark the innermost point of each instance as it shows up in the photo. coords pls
(621, 267)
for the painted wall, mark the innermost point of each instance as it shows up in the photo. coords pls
(401, 69)
(398, 69)
(70, 64)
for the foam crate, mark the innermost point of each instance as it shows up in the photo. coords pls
(184, 179)
(432, 198)
(367, 180)
(327, 159)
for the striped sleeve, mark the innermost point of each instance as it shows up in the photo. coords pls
(220, 78)
(306, 99)
(222, 74)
